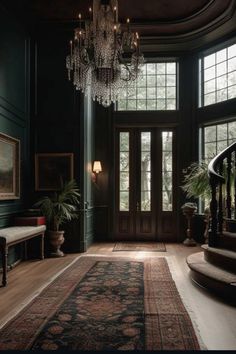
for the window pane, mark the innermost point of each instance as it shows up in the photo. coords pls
(210, 133)
(171, 92)
(167, 201)
(210, 73)
(210, 150)
(221, 56)
(210, 98)
(141, 92)
(222, 132)
(232, 51)
(171, 104)
(151, 105)
(232, 78)
(161, 67)
(145, 171)
(124, 161)
(170, 80)
(209, 60)
(141, 105)
(232, 92)
(131, 105)
(161, 92)
(151, 69)
(124, 141)
(124, 201)
(221, 69)
(221, 82)
(124, 171)
(151, 80)
(221, 146)
(151, 92)
(124, 181)
(146, 201)
(221, 95)
(167, 173)
(232, 130)
(161, 104)
(161, 80)
(171, 68)
(210, 86)
(232, 64)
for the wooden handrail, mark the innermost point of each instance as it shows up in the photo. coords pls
(216, 179)
(214, 163)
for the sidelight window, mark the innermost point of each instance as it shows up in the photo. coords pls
(167, 171)
(124, 155)
(146, 171)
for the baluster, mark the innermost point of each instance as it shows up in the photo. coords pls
(213, 222)
(234, 184)
(228, 179)
(220, 211)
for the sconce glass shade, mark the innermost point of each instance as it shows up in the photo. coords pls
(97, 167)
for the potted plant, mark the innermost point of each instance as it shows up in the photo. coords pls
(58, 208)
(196, 184)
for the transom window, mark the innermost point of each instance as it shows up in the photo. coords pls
(154, 90)
(218, 76)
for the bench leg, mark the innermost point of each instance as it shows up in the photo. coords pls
(42, 247)
(4, 265)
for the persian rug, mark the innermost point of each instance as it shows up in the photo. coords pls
(102, 303)
(140, 246)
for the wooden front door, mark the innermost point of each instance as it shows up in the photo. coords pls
(144, 179)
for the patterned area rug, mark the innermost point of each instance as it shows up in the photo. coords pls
(140, 246)
(102, 303)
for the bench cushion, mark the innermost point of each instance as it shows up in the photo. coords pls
(16, 233)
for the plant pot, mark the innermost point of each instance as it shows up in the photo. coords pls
(56, 239)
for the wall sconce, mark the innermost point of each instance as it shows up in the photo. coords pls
(97, 168)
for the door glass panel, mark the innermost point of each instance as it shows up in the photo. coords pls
(124, 172)
(145, 171)
(167, 171)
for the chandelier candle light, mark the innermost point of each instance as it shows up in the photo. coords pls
(103, 60)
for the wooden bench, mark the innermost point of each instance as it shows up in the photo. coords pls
(13, 235)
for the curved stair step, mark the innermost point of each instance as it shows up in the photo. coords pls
(212, 277)
(220, 257)
(227, 240)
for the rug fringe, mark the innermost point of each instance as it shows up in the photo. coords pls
(192, 315)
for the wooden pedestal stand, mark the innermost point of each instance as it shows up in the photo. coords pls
(189, 209)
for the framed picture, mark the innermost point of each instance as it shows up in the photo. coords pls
(53, 169)
(9, 167)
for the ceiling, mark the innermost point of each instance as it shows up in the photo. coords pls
(152, 18)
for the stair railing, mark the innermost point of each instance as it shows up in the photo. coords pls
(222, 171)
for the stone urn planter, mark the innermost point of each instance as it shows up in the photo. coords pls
(56, 239)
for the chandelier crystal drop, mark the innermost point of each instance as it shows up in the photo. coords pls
(103, 59)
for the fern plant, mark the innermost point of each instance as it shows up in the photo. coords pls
(196, 181)
(61, 206)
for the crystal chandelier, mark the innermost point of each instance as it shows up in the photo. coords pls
(103, 59)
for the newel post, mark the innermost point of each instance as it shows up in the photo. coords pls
(213, 220)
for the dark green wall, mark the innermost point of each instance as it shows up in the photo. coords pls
(14, 104)
(59, 121)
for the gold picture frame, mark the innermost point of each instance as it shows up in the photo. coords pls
(9, 167)
(53, 169)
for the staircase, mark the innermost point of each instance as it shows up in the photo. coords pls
(215, 267)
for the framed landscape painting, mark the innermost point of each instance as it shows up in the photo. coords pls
(52, 170)
(9, 167)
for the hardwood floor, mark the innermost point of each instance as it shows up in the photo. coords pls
(215, 319)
